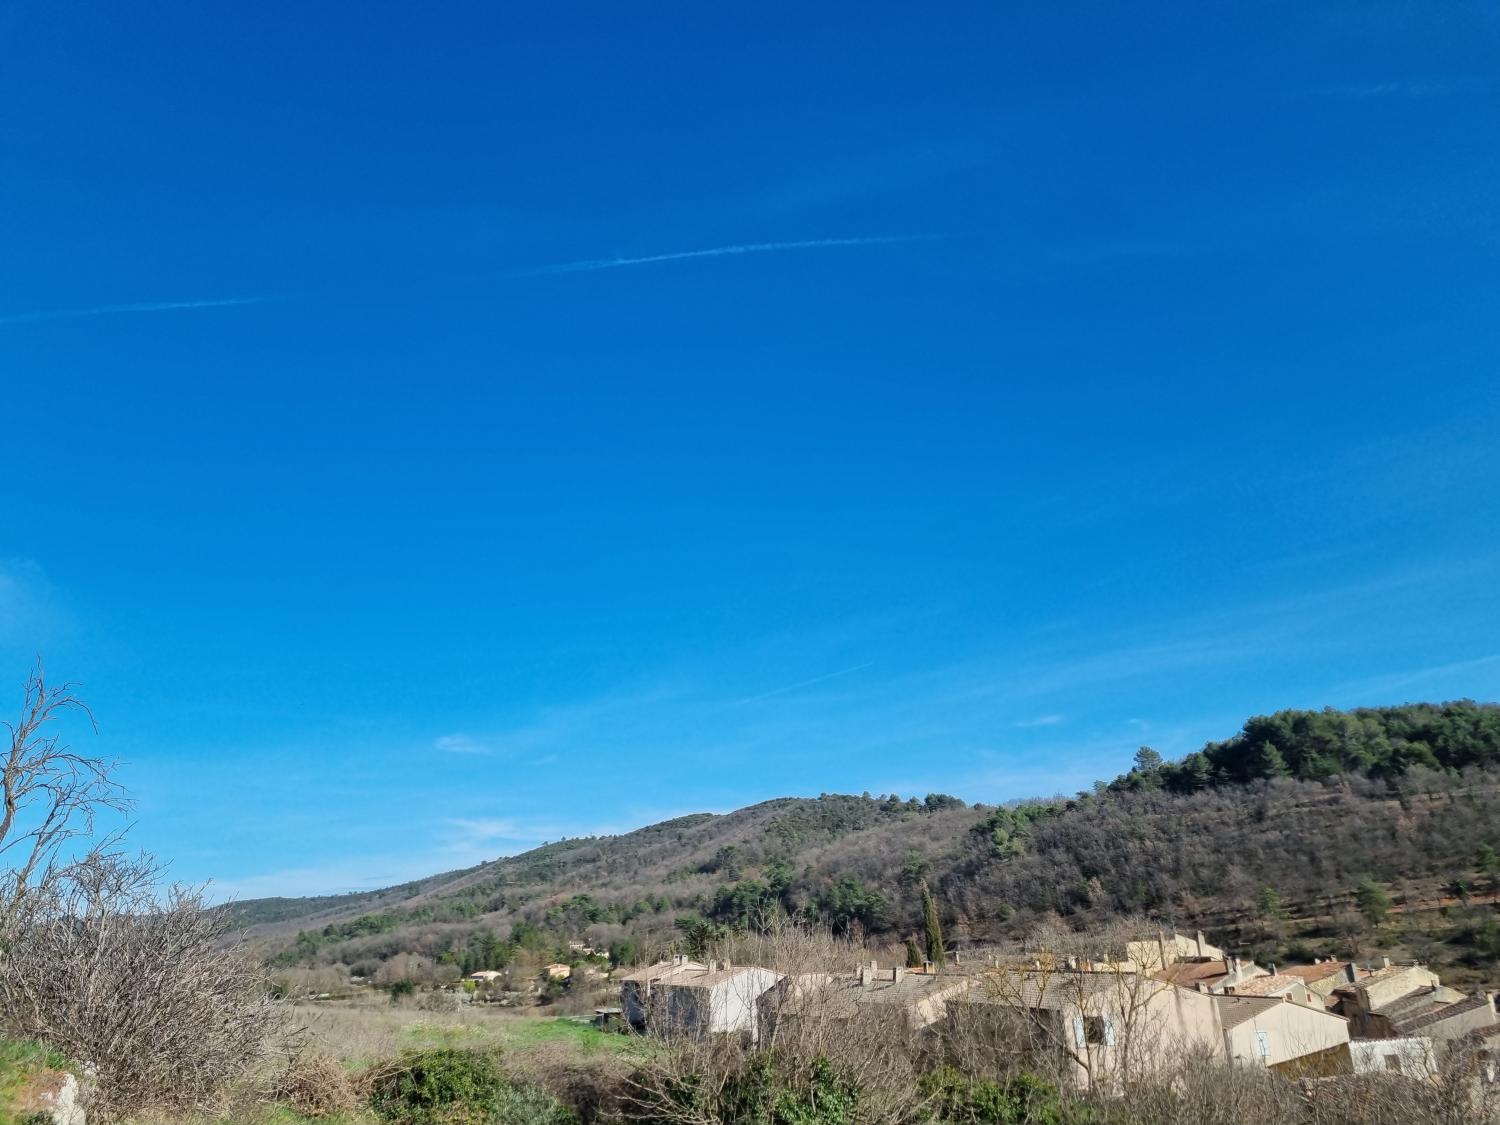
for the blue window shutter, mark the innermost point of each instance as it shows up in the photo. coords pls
(1078, 1036)
(1109, 1031)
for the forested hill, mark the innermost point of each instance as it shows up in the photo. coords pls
(1318, 745)
(1285, 833)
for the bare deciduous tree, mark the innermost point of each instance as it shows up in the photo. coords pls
(49, 793)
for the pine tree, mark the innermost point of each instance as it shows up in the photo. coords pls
(935, 951)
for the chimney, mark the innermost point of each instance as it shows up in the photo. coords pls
(864, 976)
(927, 966)
(1385, 962)
(1351, 971)
(1161, 945)
(896, 974)
(1200, 943)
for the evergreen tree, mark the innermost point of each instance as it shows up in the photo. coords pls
(913, 954)
(1267, 762)
(935, 952)
(1372, 900)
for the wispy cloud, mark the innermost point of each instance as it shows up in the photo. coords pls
(1040, 721)
(587, 265)
(143, 307)
(461, 744)
(1431, 87)
(802, 684)
(31, 612)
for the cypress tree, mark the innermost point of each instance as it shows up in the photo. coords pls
(935, 952)
(913, 954)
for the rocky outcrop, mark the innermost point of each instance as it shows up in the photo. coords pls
(50, 1095)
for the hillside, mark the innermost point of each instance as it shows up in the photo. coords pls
(1274, 863)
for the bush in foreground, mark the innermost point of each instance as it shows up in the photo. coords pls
(454, 1086)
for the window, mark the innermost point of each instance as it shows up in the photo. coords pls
(1263, 1043)
(1393, 1062)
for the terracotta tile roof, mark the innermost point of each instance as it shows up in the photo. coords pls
(1310, 974)
(1191, 972)
(1267, 986)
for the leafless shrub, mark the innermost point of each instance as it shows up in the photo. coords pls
(316, 1085)
(136, 981)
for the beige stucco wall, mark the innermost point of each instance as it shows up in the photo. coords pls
(1379, 993)
(1291, 1031)
(1155, 1026)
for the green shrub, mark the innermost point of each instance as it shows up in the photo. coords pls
(1022, 1100)
(764, 1091)
(455, 1086)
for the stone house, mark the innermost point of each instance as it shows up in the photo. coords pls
(1379, 1004)
(638, 987)
(1210, 974)
(1151, 955)
(894, 997)
(1322, 977)
(1278, 1033)
(1093, 1026)
(719, 1000)
(1410, 1058)
(1279, 985)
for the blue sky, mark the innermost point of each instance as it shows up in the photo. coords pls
(430, 432)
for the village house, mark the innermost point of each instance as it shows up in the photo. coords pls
(638, 988)
(1390, 996)
(485, 976)
(895, 997)
(1448, 1023)
(1210, 974)
(557, 971)
(1323, 976)
(1281, 1034)
(686, 998)
(1096, 1026)
(1152, 955)
(1280, 985)
(1410, 1058)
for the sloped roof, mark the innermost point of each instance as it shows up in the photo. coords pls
(704, 977)
(1267, 986)
(662, 970)
(1381, 975)
(1063, 988)
(1235, 1010)
(1311, 974)
(1189, 973)
(1445, 1011)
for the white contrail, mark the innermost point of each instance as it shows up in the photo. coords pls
(802, 684)
(141, 307)
(589, 264)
